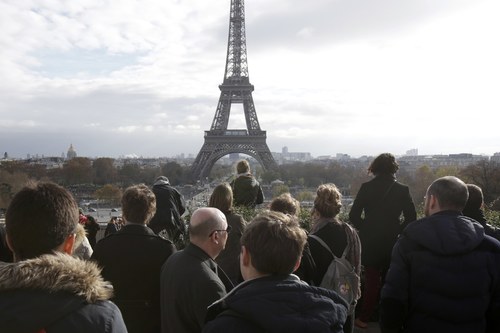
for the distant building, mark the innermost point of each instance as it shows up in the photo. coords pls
(71, 152)
(289, 157)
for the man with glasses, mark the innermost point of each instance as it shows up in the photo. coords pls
(191, 279)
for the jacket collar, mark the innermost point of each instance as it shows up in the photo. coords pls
(56, 272)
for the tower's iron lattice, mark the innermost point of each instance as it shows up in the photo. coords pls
(236, 88)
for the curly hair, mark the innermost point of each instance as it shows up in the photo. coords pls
(328, 200)
(384, 164)
(286, 204)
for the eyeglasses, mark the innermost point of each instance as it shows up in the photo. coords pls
(228, 230)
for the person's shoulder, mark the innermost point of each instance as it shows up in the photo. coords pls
(230, 321)
(104, 315)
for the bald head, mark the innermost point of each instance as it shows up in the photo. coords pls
(204, 221)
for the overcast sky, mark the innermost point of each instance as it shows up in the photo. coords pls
(358, 77)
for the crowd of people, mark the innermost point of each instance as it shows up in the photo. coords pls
(217, 272)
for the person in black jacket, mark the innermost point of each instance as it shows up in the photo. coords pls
(474, 209)
(376, 213)
(272, 299)
(170, 206)
(222, 199)
(246, 189)
(46, 289)
(445, 272)
(132, 259)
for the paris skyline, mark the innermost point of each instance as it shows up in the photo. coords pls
(355, 77)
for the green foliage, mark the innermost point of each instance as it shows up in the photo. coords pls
(109, 193)
(280, 189)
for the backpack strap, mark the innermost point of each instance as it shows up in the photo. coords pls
(322, 242)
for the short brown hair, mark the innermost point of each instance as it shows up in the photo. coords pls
(242, 166)
(222, 198)
(286, 204)
(275, 242)
(39, 219)
(450, 192)
(328, 200)
(138, 204)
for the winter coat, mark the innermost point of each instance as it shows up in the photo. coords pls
(170, 206)
(190, 282)
(382, 200)
(57, 293)
(132, 259)
(247, 191)
(229, 258)
(444, 277)
(277, 304)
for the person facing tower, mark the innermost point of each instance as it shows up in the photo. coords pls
(246, 189)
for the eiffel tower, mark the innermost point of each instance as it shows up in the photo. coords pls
(236, 88)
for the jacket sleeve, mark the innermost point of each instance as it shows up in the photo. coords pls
(357, 209)
(409, 212)
(394, 295)
(260, 196)
(115, 323)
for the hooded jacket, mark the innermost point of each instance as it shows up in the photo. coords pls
(247, 191)
(277, 304)
(444, 277)
(56, 293)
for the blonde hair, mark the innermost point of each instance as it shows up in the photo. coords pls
(328, 200)
(243, 166)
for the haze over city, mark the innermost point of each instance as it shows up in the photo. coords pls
(356, 77)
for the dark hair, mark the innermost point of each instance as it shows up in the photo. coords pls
(275, 242)
(476, 198)
(450, 192)
(138, 204)
(222, 198)
(286, 204)
(328, 200)
(39, 219)
(384, 164)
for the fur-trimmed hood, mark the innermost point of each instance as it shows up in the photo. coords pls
(54, 273)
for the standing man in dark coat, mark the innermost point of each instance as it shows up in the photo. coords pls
(382, 201)
(272, 299)
(132, 259)
(170, 206)
(46, 289)
(246, 189)
(191, 279)
(445, 272)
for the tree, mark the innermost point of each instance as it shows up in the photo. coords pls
(10, 184)
(280, 189)
(486, 175)
(104, 171)
(78, 170)
(305, 196)
(109, 193)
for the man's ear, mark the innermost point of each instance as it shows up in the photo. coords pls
(297, 264)
(245, 256)
(69, 243)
